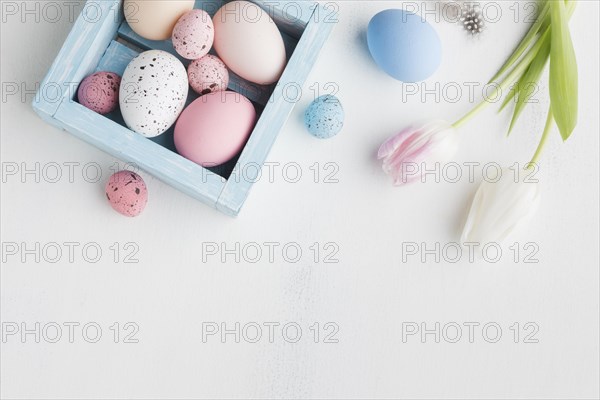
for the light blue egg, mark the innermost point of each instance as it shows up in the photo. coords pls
(404, 45)
(324, 118)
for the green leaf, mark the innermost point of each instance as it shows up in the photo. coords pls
(522, 66)
(511, 95)
(528, 82)
(542, 22)
(563, 72)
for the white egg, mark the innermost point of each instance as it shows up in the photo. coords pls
(155, 19)
(248, 42)
(153, 92)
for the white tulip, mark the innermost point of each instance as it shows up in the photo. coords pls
(501, 207)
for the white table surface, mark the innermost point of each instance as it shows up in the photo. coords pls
(370, 296)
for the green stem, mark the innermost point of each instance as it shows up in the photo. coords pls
(506, 82)
(542, 21)
(543, 140)
(474, 111)
(517, 71)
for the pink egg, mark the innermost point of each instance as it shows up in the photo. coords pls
(193, 34)
(214, 128)
(100, 92)
(127, 193)
(208, 74)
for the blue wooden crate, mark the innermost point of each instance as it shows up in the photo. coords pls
(101, 40)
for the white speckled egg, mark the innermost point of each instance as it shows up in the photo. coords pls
(153, 92)
(324, 118)
(193, 34)
(249, 42)
(208, 74)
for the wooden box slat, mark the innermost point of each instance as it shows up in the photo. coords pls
(256, 150)
(116, 58)
(129, 146)
(79, 55)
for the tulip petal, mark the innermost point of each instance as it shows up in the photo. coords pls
(403, 153)
(501, 207)
(392, 143)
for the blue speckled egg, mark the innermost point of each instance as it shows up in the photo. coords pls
(324, 118)
(404, 45)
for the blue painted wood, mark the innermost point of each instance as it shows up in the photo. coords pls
(79, 55)
(273, 118)
(129, 146)
(91, 46)
(116, 58)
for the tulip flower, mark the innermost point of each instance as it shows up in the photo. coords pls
(405, 153)
(500, 207)
(503, 206)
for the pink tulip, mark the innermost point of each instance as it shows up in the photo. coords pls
(406, 154)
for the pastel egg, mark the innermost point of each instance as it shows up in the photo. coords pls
(249, 43)
(155, 19)
(153, 92)
(404, 45)
(208, 74)
(324, 118)
(100, 92)
(193, 34)
(127, 193)
(214, 128)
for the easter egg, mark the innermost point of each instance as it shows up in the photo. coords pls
(324, 118)
(155, 19)
(153, 92)
(193, 34)
(208, 74)
(249, 43)
(214, 128)
(100, 92)
(404, 45)
(127, 193)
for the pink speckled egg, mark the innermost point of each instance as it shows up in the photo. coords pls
(127, 193)
(208, 75)
(100, 92)
(193, 34)
(214, 128)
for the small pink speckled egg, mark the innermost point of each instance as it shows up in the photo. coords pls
(193, 34)
(100, 92)
(127, 193)
(208, 75)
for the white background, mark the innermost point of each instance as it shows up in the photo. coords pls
(369, 294)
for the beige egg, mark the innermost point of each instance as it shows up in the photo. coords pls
(155, 19)
(249, 42)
